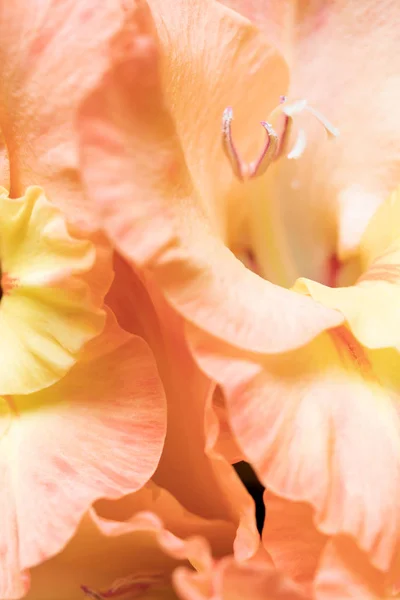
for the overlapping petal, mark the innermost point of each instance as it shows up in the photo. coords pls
(371, 307)
(139, 184)
(191, 467)
(318, 428)
(51, 54)
(292, 540)
(96, 433)
(229, 580)
(326, 198)
(320, 424)
(221, 61)
(131, 542)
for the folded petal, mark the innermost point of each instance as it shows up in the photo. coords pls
(320, 425)
(222, 61)
(43, 79)
(345, 573)
(224, 442)
(230, 580)
(191, 467)
(181, 522)
(292, 540)
(129, 544)
(96, 433)
(326, 568)
(137, 178)
(48, 310)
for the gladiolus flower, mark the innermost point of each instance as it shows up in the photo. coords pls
(305, 375)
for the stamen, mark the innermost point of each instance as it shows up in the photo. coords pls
(329, 128)
(241, 169)
(299, 145)
(91, 593)
(134, 585)
(285, 136)
(274, 147)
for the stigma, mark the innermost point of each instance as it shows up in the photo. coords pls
(275, 146)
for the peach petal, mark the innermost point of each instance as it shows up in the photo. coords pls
(317, 429)
(225, 442)
(292, 540)
(345, 573)
(152, 498)
(212, 489)
(152, 211)
(222, 62)
(97, 433)
(326, 198)
(143, 535)
(43, 80)
(230, 580)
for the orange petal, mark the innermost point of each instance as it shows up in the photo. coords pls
(318, 426)
(292, 540)
(219, 533)
(97, 432)
(345, 573)
(211, 487)
(43, 79)
(224, 441)
(230, 580)
(222, 62)
(139, 183)
(105, 554)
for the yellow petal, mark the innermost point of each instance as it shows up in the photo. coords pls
(372, 306)
(47, 312)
